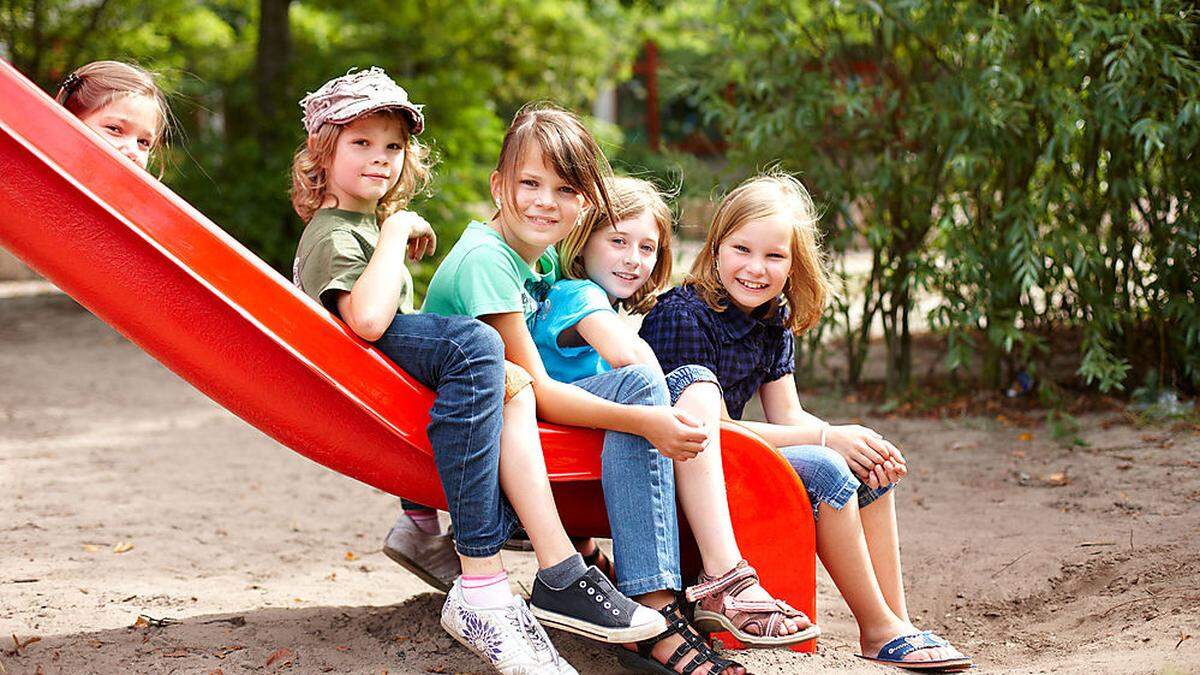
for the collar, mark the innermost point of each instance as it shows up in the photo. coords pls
(737, 324)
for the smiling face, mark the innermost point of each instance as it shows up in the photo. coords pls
(366, 163)
(620, 259)
(544, 207)
(754, 261)
(129, 123)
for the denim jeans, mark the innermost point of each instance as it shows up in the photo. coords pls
(827, 477)
(462, 359)
(639, 487)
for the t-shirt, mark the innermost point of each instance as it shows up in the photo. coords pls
(567, 303)
(333, 253)
(483, 275)
(743, 351)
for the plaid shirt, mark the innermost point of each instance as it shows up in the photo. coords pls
(743, 351)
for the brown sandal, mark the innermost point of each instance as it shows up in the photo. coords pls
(600, 561)
(719, 609)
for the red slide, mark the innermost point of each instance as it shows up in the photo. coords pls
(143, 260)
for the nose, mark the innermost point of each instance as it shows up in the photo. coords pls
(755, 266)
(543, 198)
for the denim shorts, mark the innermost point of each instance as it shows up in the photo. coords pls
(685, 376)
(828, 479)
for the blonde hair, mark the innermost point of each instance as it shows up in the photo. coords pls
(310, 177)
(91, 87)
(630, 197)
(808, 284)
(568, 148)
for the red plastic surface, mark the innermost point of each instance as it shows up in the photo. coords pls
(151, 266)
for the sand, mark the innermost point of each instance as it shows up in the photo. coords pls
(125, 493)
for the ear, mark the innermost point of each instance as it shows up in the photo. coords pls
(496, 185)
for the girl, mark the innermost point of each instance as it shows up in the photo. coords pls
(758, 281)
(549, 168)
(121, 103)
(360, 164)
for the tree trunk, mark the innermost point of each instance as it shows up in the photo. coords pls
(274, 52)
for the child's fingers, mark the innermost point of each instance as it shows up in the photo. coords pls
(687, 419)
(869, 455)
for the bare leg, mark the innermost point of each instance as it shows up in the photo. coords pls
(700, 487)
(843, 550)
(883, 543)
(524, 481)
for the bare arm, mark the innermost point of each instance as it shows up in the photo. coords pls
(370, 305)
(870, 456)
(614, 341)
(667, 429)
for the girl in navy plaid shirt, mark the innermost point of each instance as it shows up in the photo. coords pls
(759, 280)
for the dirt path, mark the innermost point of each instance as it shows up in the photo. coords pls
(124, 492)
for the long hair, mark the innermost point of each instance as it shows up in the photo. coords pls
(310, 175)
(773, 194)
(93, 86)
(630, 197)
(568, 148)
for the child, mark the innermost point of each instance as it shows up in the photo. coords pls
(579, 334)
(360, 164)
(758, 280)
(121, 103)
(549, 168)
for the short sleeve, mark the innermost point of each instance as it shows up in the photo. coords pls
(488, 283)
(333, 264)
(569, 302)
(679, 339)
(785, 357)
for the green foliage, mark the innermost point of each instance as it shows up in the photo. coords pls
(1030, 166)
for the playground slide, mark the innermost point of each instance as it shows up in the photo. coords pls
(144, 261)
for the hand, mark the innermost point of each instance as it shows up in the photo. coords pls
(674, 433)
(872, 458)
(419, 234)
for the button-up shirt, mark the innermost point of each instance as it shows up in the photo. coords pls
(743, 351)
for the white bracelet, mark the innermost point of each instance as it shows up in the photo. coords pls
(824, 429)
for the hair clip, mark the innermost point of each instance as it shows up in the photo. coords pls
(71, 83)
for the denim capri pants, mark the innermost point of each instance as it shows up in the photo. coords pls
(826, 475)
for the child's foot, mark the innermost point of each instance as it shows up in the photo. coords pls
(507, 637)
(914, 649)
(679, 649)
(592, 607)
(429, 556)
(737, 602)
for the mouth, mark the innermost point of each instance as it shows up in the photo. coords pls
(542, 221)
(626, 276)
(753, 286)
(375, 176)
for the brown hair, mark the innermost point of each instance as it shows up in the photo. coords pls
(93, 86)
(630, 197)
(772, 194)
(310, 169)
(568, 147)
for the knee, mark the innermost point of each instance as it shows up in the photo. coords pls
(643, 385)
(820, 466)
(479, 342)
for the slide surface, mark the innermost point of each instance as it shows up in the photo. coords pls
(143, 260)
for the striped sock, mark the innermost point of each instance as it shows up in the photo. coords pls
(486, 592)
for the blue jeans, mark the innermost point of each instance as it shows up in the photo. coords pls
(639, 487)
(827, 477)
(462, 359)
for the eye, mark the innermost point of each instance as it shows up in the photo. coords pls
(395, 146)
(740, 249)
(529, 182)
(777, 256)
(144, 143)
(619, 241)
(362, 142)
(649, 248)
(115, 128)
(567, 189)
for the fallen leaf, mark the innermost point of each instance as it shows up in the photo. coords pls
(1019, 454)
(123, 547)
(1026, 437)
(297, 600)
(401, 638)
(283, 655)
(1058, 479)
(141, 622)
(177, 654)
(91, 548)
(350, 555)
(342, 648)
(216, 671)
(96, 643)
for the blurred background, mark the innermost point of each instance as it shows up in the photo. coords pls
(1005, 187)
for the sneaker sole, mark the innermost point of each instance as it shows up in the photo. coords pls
(410, 565)
(562, 622)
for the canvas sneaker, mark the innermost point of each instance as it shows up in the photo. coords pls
(592, 607)
(509, 638)
(429, 556)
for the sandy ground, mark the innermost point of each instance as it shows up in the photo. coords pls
(126, 493)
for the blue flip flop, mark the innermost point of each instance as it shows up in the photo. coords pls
(893, 653)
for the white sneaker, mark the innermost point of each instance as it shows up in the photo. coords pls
(507, 637)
